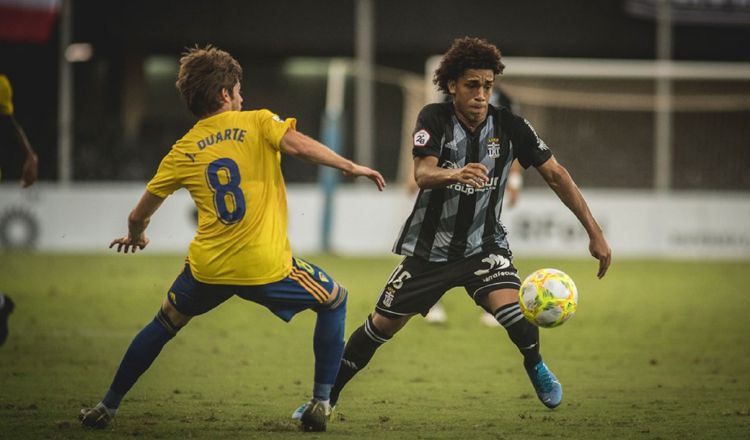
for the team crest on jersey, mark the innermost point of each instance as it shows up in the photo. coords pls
(387, 299)
(493, 148)
(421, 138)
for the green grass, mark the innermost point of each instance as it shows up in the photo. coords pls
(658, 350)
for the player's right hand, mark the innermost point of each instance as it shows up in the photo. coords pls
(359, 170)
(127, 244)
(473, 174)
(601, 251)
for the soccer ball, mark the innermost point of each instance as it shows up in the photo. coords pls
(548, 297)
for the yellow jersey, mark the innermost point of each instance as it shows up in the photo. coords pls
(6, 96)
(231, 165)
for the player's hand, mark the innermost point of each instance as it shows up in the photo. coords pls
(30, 170)
(359, 170)
(511, 196)
(127, 244)
(473, 174)
(600, 250)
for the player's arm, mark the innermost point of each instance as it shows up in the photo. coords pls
(306, 148)
(558, 178)
(138, 220)
(428, 174)
(30, 169)
(514, 183)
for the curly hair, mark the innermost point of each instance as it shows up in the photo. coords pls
(467, 53)
(204, 72)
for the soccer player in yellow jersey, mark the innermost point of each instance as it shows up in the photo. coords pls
(28, 177)
(230, 163)
(30, 165)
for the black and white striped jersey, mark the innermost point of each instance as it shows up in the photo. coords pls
(457, 221)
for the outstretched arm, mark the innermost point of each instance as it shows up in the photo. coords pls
(428, 174)
(138, 220)
(306, 148)
(30, 168)
(558, 178)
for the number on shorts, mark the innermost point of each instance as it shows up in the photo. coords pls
(398, 277)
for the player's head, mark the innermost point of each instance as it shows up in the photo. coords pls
(467, 73)
(208, 79)
(467, 53)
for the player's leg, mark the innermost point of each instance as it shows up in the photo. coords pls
(310, 287)
(494, 285)
(413, 287)
(362, 344)
(6, 308)
(148, 343)
(525, 335)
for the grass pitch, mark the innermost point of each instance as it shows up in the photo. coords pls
(657, 350)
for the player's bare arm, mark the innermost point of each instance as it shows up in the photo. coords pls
(299, 145)
(138, 220)
(30, 168)
(558, 178)
(428, 174)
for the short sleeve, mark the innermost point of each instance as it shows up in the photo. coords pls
(165, 182)
(530, 150)
(6, 96)
(428, 132)
(273, 127)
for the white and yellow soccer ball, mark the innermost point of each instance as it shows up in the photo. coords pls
(548, 297)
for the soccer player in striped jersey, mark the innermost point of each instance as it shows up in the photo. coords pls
(463, 151)
(230, 162)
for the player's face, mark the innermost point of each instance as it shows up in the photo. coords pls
(235, 100)
(471, 94)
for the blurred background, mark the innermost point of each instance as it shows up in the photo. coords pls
(646, 102)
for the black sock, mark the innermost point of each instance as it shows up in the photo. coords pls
(359, 350)
(523, 333)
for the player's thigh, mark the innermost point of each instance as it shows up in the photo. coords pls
(306, 287)
(414, 287)
(189, 297)
(491, 279)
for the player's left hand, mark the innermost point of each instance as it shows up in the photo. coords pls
(600, 250)
(127, 244)
(359, 170)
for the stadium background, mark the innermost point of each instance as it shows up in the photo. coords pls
(96, 96)
(659, 348)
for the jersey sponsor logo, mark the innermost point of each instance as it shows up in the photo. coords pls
(451, 145)
(495, 261)
(493, 147)
(421, 138)
(501, 274)
(468, 189)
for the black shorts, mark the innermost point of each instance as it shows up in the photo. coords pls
(416, 284)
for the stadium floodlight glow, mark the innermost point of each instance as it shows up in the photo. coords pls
(79, 52)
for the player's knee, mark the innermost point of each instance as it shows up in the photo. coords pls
(173, 317)
(389, 326)
(338, 301)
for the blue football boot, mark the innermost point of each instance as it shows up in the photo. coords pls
(547, 387)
